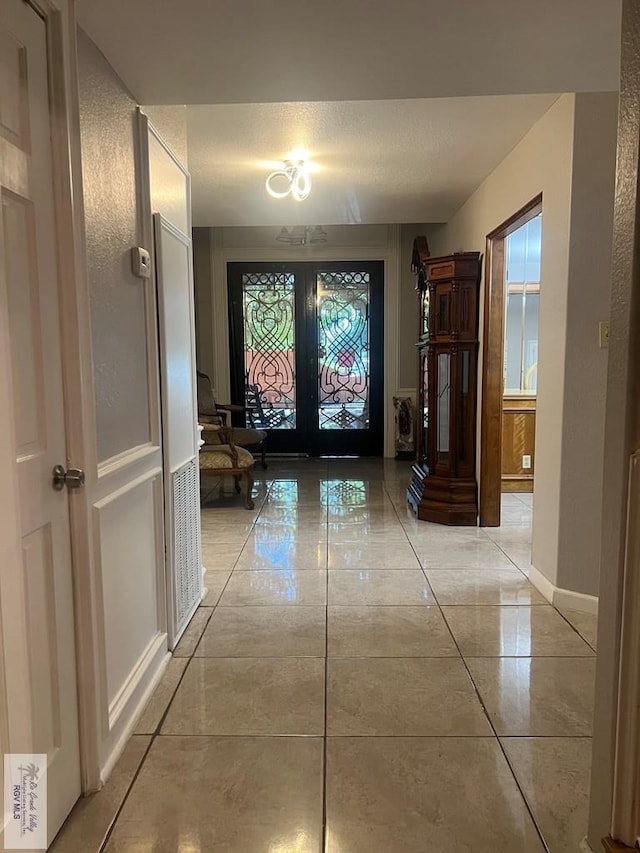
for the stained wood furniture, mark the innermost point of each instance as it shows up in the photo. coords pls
(443, 484)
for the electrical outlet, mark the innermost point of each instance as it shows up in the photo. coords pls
(603, 334)
(526, 461)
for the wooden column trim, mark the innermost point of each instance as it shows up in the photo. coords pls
(492, 368)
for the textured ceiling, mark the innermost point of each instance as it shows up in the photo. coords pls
(254, 51)
(378, 161)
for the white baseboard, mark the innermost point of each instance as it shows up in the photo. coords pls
(131, 702)
(205, 591)
(541, 583)
(563, 598)
(570, 600)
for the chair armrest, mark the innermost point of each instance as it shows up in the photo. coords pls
(210, 420)
(226, 435)
(231, 407)
(216, 434)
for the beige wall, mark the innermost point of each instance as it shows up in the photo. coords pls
(203, 278)
(347, 242)
(540, 163)
(118, 331)
(544, 162)
(585, 373)
(339, 238)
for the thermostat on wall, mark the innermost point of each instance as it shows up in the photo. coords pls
(140, 262)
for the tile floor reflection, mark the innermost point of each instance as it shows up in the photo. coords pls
(357, 680)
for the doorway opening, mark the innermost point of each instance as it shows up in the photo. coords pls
(509, 376)
(306, 353)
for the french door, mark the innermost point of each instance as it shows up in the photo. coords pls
(306, 345)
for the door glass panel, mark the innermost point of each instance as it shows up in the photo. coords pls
(342, 313)
(522, 300)
(465, 415)
(443, 314)
(443, 396)
(269, 349)
(425, 407)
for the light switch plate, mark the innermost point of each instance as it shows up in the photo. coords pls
(526, 461)
(140, 262)
(603, 334)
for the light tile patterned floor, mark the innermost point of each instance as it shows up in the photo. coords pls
(357, 680)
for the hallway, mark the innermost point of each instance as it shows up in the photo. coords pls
(357, 681)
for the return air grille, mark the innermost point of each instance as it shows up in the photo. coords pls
(186, 543)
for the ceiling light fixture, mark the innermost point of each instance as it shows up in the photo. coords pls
(293, 178)
(300, 235)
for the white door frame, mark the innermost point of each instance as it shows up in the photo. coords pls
(76, 356)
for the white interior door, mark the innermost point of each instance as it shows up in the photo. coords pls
(179, 423)
(36, 595)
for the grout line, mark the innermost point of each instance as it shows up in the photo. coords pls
(573, 627)
(326, 694)
(497, 738)
(319, 736)
(152, 738)
(118, 812)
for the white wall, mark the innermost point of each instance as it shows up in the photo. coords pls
(124, 483)
(544, 162)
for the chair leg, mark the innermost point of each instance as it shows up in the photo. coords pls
(264, 451)
(236, 477)
(249, 476)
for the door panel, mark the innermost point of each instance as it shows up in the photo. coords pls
(35, 582)
(307, 354)
(348, 318)
(267, 328)
(269, 312)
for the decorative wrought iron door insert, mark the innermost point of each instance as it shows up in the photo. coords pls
(306, 344)
(343, 350)
(269, 348)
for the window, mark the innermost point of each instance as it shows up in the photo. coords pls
(523, 251)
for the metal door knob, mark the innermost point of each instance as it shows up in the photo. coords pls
(72, 479)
